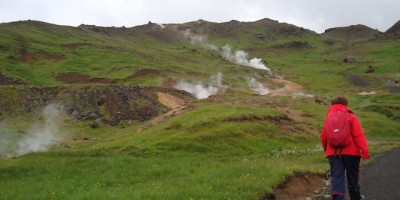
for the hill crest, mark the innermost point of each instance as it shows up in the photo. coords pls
(227, 28)
(353, 32)
(395, 29)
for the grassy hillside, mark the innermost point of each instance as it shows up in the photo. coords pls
(37, 56)
(242, 152)
(232, 145)
(38, 52)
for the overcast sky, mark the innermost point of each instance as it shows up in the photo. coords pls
(316, 15)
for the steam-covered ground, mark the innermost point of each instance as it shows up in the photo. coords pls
(38, 138)
(201, 90)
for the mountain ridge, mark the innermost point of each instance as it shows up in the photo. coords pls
(200, 21)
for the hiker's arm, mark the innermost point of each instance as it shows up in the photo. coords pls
(359, 137)
(323, 139)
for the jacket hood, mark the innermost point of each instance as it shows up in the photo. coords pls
(338, 107)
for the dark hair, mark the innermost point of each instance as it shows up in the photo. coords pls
(340, 100)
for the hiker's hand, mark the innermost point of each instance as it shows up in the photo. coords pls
(365, 155)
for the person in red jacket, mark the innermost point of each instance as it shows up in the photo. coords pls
(348, 160)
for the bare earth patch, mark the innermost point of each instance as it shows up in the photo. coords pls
(165, 116)
(297, 186)
(26, 57)
(288, 89)
(169, 84)
(5, 80)
(169, 100)
(78, 78)
(177, 105)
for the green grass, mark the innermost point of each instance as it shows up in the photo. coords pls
(209, 129)
(181, 176)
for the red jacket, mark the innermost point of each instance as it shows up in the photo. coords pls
(358, 147)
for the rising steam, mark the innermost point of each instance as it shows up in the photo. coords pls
(199, 39)
(202, 91)
(257, 87)
(194, 38)
(238, 57)
(39, 136)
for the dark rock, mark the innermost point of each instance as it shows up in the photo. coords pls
(370, 69)
(94, 125)
(108, 104)
(294, 45)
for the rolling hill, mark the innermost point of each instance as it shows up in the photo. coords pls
(198, 110)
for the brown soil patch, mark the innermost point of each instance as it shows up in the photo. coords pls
(169, 84)
(165, 116)
(5, 80)
(78, 78)
(57, 57)
(26, 57)
(169, 100)
(297, 186)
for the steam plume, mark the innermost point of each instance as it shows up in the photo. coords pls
(39, 136)
(199, 39)
(202, 91)
(161, 25)
(257, 87)
(238, 57)
(194, 38)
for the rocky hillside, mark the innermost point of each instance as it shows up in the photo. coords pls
(394, 31)
(354, 33)
(106, 104)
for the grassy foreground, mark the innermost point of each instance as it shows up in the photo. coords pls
(218, 149)
(177, 176)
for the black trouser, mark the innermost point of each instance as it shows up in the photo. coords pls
(339, 165)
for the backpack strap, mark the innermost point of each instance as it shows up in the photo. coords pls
(349, 111)
(340, 153)
(334, 155)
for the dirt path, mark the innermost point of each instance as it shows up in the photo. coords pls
(394, 89)
(289, 89)
(380, 179)
(357, 80)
